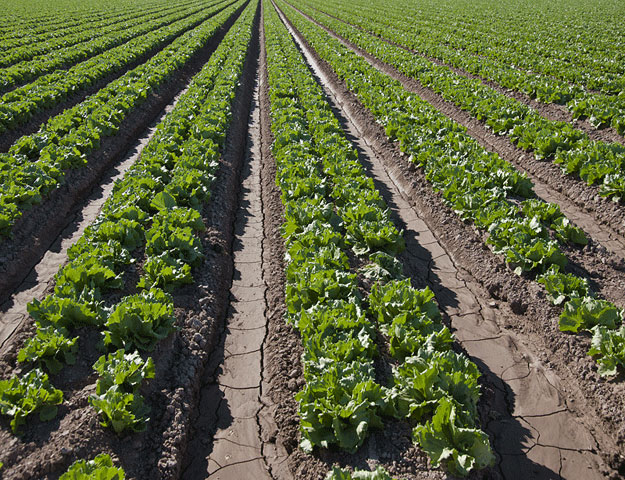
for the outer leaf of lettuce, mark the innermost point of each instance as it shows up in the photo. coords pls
(21, 396)
(585, 313)
(120, 411)
(344, 474)
(458, 448)
(100, 468)
(50, 347)
(125, 370)
(563, 286)
(140, 320)
(609, 346)
(338, 405)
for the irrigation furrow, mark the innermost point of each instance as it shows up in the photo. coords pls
(227, 441)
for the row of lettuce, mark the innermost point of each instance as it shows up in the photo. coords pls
(21, 104)
(153, 217)
(37, 164)
(102, 40)
(332, 207)
(16, 31)
(31, 25)
(483, 189)
(595, 162)
(66, 38)
(501, 65)
(575, 45)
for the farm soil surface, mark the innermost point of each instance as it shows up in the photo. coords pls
(36, 230)
(222, 403)
(48, 448)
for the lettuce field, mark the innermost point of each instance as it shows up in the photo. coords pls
(316, 240)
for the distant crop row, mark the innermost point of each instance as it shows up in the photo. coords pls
(595, 162)
(37, 163)
(96, 42)
(550, 71)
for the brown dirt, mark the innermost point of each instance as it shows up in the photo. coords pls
(226, 441)
(527, 312)
(47, 449)
(36, 229)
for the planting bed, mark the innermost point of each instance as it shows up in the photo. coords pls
(284, 244)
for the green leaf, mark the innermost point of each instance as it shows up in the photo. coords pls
(460, 449)
(163, 201)
(585, 313)
(609, 346)
(124, 370)
(100, 468)
(50, 347)
(120, 411)
(21, 396)
(140, 320)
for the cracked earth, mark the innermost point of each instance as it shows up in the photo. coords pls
(227, 442)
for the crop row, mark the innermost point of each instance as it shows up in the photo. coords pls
(481, 187)
(595, 162)
(331, 206)
(102, 40)
(578, 57)
(601, 109)
(155, 209)
(19, 105)
(36, 163)
(25, 29)
(83, 33)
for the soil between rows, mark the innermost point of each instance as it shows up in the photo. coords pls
(48, 448)
(523, 305)
(36, 229)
